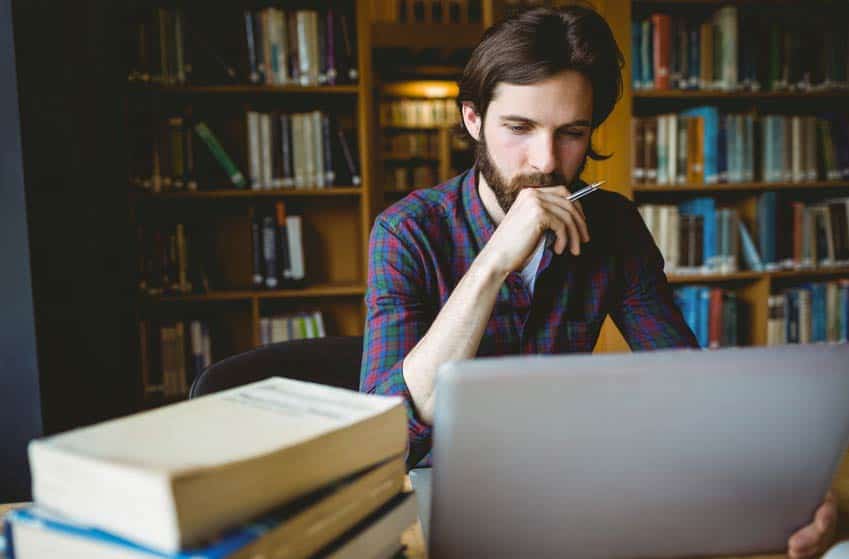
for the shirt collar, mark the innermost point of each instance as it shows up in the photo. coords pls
(477, 217)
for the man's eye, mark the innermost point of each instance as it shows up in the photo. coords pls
(517, 129)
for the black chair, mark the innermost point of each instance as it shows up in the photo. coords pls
(333, 360)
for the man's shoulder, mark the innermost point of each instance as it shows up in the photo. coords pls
(424, 205)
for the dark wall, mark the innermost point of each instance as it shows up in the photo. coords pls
(71, 80)
(20, 402)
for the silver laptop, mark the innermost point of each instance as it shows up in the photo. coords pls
(658, 454)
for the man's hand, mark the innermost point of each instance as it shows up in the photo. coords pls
(534, 211)
(815, 538)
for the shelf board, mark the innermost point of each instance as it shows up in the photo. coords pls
(738, 186)
(425, 35)
(811, 272)
(319, 290)
(718, 95)
(248, 193)
(347, 89)
(750, 275)
(712, 278)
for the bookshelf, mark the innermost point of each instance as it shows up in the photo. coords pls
(220, 220)
(791, 85)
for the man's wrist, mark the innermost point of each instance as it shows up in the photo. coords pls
(485, 269)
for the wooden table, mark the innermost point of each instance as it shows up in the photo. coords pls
(414, 540)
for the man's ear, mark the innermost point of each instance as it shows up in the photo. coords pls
(472, 121)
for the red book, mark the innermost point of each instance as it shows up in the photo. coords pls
(662, 38)
(715, 318)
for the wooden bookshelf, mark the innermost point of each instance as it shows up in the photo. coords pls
(752, 288)
(336, 219)
(741, 186)
(256, 89)
(426, 35)
(229, 193)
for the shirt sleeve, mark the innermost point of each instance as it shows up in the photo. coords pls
(397, 317)
(647, 315)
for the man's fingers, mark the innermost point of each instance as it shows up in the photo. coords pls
(567, 212)
(826, 516)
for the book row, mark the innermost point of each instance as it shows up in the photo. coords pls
(735, 48)
(713, 314)
(811, 313)
(287, 327)
(411, 145)
(172, 355)
(277, 430)
(436, 11)
(704, 146)
(277, 249)
(408, 178)
(276, 47)
(698, 237)
(301, 150)
(421, 113)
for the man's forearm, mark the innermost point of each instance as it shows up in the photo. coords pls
(455, 333)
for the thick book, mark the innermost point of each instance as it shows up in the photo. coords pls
(194, 469)
(296, 530)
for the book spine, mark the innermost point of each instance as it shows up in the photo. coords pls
(296, 250)
(220, 155)
(269, 251)
(327, 149)
(304, 52)
(254, 150)
(330, 47)
(349, 158)
(318, 150)
(285, 262)
(266, 147)
(257, 277)
(286, 150)
(250, 38)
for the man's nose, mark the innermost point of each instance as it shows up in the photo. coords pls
(542, 156)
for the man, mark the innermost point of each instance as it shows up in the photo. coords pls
(464, 269)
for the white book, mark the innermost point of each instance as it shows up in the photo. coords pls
(309, 326)
(264, 338)
(296, 248)
(318, 149)
(319, 321)
(254, 150)
(284, 439)
(309, 149)
(317, 75)
(279, 332)
(662, 149)
(298, 150)
(672, 151)
(266, 146)
(302, 24)
(379, 536)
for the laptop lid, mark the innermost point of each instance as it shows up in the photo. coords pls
(656, 454)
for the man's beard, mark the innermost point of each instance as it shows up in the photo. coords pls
(505, 190)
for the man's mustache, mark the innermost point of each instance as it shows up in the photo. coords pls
(537, 180)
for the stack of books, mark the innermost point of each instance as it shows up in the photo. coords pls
(278, 468)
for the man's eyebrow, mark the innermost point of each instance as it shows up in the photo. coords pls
(526, 120)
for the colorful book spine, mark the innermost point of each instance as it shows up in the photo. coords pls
(220, 154)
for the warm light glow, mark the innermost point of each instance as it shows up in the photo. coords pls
(429, 89)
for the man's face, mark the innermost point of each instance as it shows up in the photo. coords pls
(535, 135)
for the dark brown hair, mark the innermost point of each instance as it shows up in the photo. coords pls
(537, 44)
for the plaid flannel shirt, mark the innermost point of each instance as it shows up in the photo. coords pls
(422, 245)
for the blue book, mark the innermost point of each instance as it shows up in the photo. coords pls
(703, 333)
(818, 312)
(710, 116)
(791, 315)
(636, 55)
(766, 228)
(750, 252)
(685, 298)
(298, 529)
(724, 145)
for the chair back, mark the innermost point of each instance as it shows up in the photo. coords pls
(332, 360)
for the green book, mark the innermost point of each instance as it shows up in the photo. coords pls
(220, 155)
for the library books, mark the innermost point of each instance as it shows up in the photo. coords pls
(301, 150)
(419, 113)
(196, 468)
(278, 249)
(172, 355)
(810, 313)
(800, 48)
(704, 146)
(713, 314)
(336, 515)
(284, 328)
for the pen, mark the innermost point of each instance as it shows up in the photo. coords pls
(549, 234)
